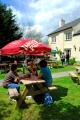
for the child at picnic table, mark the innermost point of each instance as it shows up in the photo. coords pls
(31, 67)
(45, 73)
(12, 78)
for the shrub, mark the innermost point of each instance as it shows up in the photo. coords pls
(72, 61)
(56, 64)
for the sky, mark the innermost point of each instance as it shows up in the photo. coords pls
(44, 15)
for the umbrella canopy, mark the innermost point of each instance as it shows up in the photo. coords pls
(38, 54)
(24, 47)
(13, 47)
(54, 51)
(35, 47)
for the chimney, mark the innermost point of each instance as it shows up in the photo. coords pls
(61, 23)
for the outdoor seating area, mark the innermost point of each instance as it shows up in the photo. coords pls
(27, 89)
(39, 60)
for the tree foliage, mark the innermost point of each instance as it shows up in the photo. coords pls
(33, 34)
(9, 30)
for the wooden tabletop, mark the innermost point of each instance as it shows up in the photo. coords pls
(31, 81)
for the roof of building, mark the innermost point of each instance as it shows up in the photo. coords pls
(66, 26)
(77, 33)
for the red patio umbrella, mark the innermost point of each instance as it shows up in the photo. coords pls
(38, 54)
(24, 47)
(34, 47)
(13, 47)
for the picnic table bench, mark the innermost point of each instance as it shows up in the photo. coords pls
(30, 89)
(13, 93)
(75, 77)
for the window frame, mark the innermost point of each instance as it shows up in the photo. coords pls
(53, 39)
(68, 36)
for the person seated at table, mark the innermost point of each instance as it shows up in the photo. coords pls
(45, 73)
(12, 78)
(31, 67)
(15, 62)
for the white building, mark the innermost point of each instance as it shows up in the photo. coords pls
(67, 38)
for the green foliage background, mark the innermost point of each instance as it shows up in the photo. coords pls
(9, 29)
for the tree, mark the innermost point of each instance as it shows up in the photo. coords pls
(33, 34)
(9, 30)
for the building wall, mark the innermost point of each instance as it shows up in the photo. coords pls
(59, 44)
(62, 44)
(59, 41)
(76, 42)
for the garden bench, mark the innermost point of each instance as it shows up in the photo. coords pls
(52, 88)
(75, 77)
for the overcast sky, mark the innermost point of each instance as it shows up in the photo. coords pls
(44, 14)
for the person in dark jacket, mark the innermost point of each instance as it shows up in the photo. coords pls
(63, 58)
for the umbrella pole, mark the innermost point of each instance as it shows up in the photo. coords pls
(24, 65)
(0, 59)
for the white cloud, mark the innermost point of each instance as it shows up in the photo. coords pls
(46, 16)
(35, 27)
(43, 16)
(18, 14)
(44, 4)
(47, 10)
(71, 6)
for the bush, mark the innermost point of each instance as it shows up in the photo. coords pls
(56, 64)
(72, 61)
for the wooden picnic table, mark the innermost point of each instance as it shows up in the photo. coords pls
(75, 77)
(30, 89)
(77, 68)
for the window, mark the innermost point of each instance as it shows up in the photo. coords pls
(53, 39)
(68, 36)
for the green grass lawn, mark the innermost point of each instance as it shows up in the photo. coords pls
(63, 69)
(2, 76)
(66, 105)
